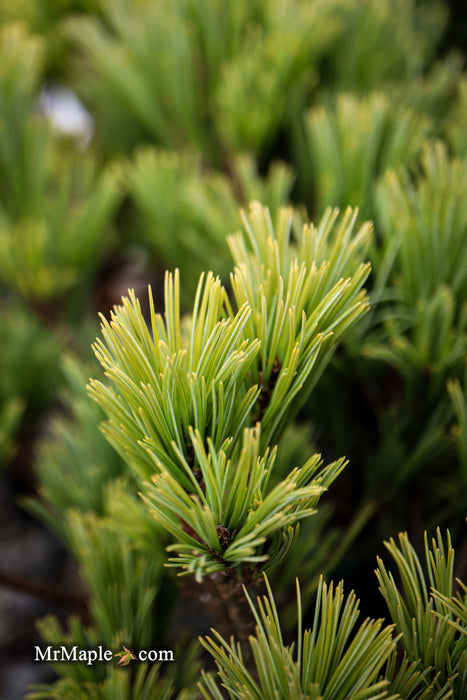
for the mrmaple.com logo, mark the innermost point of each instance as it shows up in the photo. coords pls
(92, 656)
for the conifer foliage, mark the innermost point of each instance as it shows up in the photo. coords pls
(200, 409)
(267, 211)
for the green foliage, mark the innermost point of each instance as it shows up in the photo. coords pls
(424, 618)
(23, 154)
(214, 68)
(275, 64)
(177, 393)
(360, 59)
(147, 684)
(111, 535)
(169, 382)
(106, 682)
(122, 583)
(187, 210)
(233, 512)
(29, 372)
(10, 414)
(92, 504)
(424, 218)
(55, 203)
(208, 105)
(48, 252)
(456, 127)
(168, 385)
(41, 19)
(457, 606)
(351, 143)
(305, 293)
(130, 601)
(325, 661)
(75, 463)
(435, 342)
(459, 430)
(332, 660)
(415, 336)
(419, 329)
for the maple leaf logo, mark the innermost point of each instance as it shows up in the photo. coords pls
(126, 655)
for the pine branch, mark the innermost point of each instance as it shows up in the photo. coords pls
(44, 591)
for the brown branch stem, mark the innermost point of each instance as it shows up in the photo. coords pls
(38, 589)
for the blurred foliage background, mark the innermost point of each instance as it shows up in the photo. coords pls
(188, 110)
